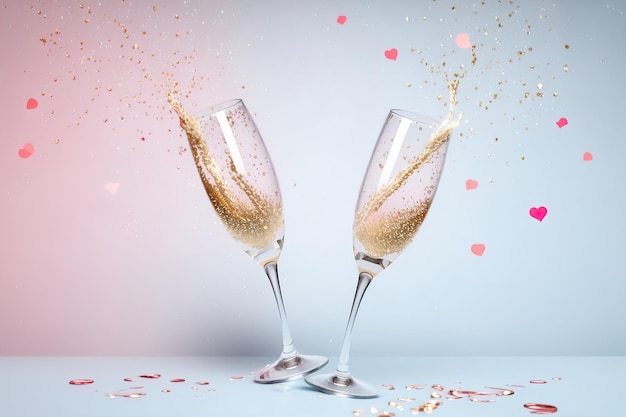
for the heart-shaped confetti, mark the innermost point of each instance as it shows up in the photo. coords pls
(587, 156)
(538, 212)
(462, 40)
(562, 122)
(478, 249)
(391, 54)
(112, 187)
(471, 184)
(26, 151)
(341, 20)
(31, 104)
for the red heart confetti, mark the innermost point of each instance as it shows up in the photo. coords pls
(562, 122)
(587, 156)
(471, 184)
(462, 40)
(26, 151)
(478, 249)
(81, 381)
(31, 104)
(391, 54)
(538, 212)
(341, 20)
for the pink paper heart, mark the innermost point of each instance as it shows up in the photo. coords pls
(31, 104)
(587, 156)
(462, 40)
(112, 187)
(391, 54)
(471, 184)
(562, 122)
(478, 249)
(538, 212)
(26, 151)
(341, 20)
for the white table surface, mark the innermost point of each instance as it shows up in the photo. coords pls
(39, 387)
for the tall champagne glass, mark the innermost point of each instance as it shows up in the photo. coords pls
(240, 182)
(397, 191)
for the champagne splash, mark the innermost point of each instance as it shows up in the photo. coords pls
(383, 234)
(249, 215)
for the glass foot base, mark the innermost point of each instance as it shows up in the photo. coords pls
(342, 387)
(288, 369)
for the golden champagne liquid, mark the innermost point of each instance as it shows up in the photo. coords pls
(250, 215)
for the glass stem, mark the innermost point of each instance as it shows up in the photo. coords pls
(289, 350)
(343, 372)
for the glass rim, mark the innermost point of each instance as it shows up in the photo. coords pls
(415, 117)
(216, 108)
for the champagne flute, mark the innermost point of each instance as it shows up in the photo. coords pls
(239, 179)
(397, 191)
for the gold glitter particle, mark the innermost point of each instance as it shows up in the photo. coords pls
(566, 46)
(566, 68)
(428, 407)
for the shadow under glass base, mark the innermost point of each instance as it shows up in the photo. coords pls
(289, 369)
(342, 387)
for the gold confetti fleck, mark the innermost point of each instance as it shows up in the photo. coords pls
(428, 407)
(566, 68)
(566, 46)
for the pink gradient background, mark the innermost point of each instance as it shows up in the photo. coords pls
(148, 270)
